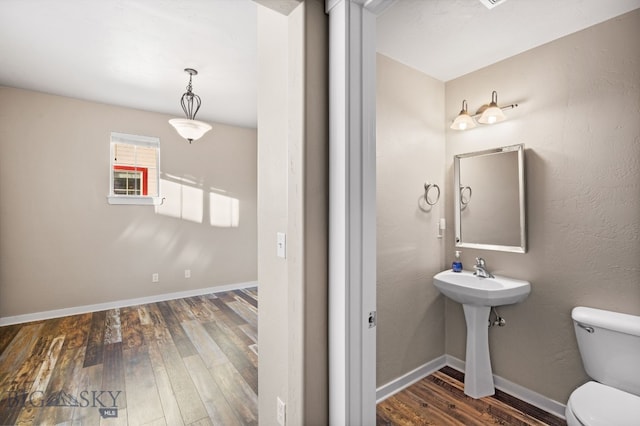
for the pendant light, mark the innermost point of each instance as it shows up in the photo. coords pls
(463, 121)
(190, 128)
(493, 113)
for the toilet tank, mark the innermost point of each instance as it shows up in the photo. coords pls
(609, 344)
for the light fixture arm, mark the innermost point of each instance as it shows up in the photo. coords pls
(504, 108)
(464, 107)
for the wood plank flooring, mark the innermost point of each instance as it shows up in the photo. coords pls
(189, 361)
(439, 399)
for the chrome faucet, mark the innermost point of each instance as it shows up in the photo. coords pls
(481, 269)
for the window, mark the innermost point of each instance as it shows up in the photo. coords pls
(130, 180)
(134, 169)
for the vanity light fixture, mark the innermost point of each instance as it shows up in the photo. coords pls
(190, 128)
(463, 121)
(487, 114)
(493, 113)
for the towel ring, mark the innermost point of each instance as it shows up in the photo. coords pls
(462, 199)
(427, 187)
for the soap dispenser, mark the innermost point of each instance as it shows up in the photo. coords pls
(456, 266)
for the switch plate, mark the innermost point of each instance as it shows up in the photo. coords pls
(155, 277)
(442, 226)
(281, 241)
(281, 412)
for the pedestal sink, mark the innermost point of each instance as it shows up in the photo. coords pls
(477, 296)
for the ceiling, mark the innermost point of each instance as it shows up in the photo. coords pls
(449, 38)
(132, 52)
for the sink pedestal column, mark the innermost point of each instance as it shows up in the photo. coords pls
(478, 377)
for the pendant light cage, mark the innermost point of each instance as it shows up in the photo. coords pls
(190, 128)
(190, 101)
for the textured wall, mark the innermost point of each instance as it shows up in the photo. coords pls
(63, 246)
(579, 120)
(410, 151)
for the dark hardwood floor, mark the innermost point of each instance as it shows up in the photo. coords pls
(189, 361)
(439, 399)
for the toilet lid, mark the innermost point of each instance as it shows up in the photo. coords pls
(595, 404)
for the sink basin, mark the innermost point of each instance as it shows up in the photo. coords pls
(478, 296)
(466, 288)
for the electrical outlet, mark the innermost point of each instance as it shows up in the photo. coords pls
(281, 412)
(187, 273)
(155, 277)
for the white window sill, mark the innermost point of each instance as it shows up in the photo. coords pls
(134, 200)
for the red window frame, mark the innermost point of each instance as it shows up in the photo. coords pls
(145, 175)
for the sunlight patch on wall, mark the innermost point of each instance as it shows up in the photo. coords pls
(224, 211)
(185, 199)
(182, 201)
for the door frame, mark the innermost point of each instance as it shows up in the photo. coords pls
(352, 210)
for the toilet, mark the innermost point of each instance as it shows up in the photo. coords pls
(609, 344)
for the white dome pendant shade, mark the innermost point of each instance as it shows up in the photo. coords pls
(463, 121)
(493, 113)
(190, 128)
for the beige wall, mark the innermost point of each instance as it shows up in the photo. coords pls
(272, 208)
(579, 113)
(62, 245)
(310, 172)
(410, 151)
(292, 188)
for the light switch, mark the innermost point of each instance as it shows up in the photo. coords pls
(282, 245)
(442, 225)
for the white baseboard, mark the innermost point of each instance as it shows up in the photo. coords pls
(402, 382)
(57, 313)
(520, 392)
(514, 389)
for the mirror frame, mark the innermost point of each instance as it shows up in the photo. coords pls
(459, 242)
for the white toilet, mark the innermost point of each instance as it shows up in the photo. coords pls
(609, 344)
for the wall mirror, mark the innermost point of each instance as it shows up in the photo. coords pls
(490, 199)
